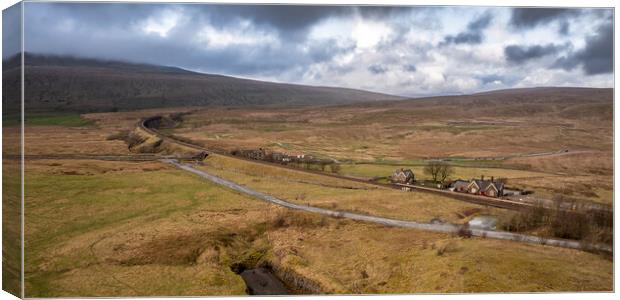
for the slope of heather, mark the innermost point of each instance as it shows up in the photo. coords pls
(68, 83)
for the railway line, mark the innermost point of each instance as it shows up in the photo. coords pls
(475, 199)
(446, 227)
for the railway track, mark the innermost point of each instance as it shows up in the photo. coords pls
(475, 199)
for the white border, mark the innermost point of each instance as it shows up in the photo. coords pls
(526, 3)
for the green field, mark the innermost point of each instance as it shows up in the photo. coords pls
(46, 119)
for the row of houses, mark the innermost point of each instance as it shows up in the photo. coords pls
(486, 187)
(278, 157)
(491, 188)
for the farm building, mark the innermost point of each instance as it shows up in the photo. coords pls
(403, 176)
(491, 188)
(483, 187)
(253, 154)
(459, 185)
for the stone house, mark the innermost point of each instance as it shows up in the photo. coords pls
(403, 176)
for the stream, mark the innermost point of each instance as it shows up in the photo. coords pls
(261, 281)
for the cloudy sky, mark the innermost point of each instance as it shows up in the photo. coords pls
(410, 51)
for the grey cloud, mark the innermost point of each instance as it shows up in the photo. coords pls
(520, 54)
(596, 57)
(531, 17)
(377, 69)
(114, 31)
(11, 31)
(410, 68)
(490, 78)
(289, 20)
(493, 77)
(564, 28)
(326, 50)
(473, 35)
(481, 23)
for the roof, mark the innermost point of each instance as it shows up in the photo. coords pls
(407, 172)
(459, 184)
(484, 184)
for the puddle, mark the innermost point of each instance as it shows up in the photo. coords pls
(261, 281)
(487, 222)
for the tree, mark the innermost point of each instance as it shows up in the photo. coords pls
(438, 170)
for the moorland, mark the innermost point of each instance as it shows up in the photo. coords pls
(97, 227)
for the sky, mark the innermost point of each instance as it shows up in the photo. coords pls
(408, 51)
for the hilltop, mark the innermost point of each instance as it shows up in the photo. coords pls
(82, 84)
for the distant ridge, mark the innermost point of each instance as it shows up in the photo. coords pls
(541, 89)
(82, 84)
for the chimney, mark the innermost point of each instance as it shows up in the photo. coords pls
(492, 179)
(482, 177)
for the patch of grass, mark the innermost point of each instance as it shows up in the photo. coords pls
(90, 224)
(66, 119)
(326, 192)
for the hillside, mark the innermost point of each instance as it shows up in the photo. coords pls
(69, 83)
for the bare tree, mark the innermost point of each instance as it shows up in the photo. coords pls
(438, 170)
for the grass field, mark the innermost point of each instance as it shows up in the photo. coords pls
(344, 195)
(96, 228)
(123, 229)
(47, 119)
(11, 226)
(373, 140)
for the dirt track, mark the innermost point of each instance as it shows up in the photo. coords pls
(445, 228)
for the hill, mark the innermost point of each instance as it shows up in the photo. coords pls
(80, 84)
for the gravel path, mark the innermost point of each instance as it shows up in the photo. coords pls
(445, 228)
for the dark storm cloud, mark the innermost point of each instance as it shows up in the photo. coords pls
(473, 34)
(532, 17)
(283, 43)
(520, 54)
(377, 69)
(382, 12)
(291, 21)
(109, 31)
(596, 57)
(11, 31)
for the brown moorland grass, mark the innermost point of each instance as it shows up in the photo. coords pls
(123, 229)
(339, 194)
(492, 125)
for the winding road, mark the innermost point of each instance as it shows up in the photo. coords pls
(445, 228)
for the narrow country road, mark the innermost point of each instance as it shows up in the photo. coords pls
(445, 228)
